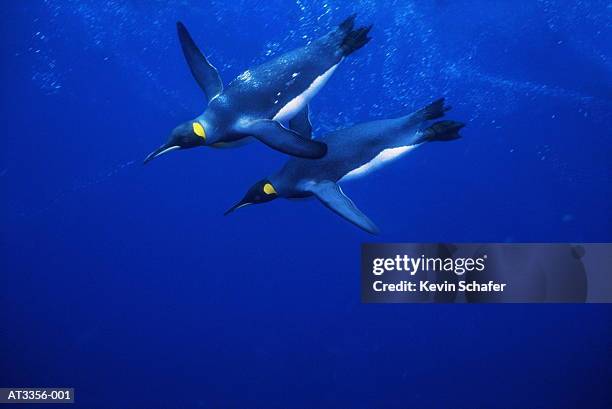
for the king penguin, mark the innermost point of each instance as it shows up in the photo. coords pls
(353, 152)
(261, 101)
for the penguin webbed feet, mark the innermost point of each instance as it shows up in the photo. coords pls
(435, 110)
(442, 131)
(352, 40)
(355, 39)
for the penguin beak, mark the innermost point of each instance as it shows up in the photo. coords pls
(160, 151)
(238, 205)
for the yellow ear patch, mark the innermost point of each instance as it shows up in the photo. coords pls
(198, 129)
(269, 189)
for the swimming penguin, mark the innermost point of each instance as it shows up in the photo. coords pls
(353, 152)
(261, 100)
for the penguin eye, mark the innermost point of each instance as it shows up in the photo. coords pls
(198, 129)
(269, 189)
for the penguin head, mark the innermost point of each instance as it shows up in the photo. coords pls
(261, 192)
(187, 135)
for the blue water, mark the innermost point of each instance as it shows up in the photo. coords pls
(126, 281)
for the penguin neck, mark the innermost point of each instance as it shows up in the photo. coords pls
(218, 122)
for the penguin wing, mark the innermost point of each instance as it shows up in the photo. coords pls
(205, 74)
(276, 136)
(332, 196)
(301, 123)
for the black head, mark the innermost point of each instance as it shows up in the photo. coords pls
(187, 135)
(261, 192)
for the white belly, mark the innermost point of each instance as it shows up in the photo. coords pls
(298, 103)
(383, 158)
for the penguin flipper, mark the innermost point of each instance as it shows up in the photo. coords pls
(276, 136)
(332, 196)
(205, 74)
(301, 123)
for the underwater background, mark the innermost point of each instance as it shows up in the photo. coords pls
(127, 283)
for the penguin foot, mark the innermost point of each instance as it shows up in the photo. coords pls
(435, 110)
(353, 39)
(442, 131)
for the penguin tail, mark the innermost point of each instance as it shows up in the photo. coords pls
(442, 131)
(353, 40)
